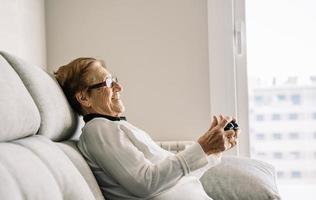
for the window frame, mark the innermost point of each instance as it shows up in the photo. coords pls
(227, 65)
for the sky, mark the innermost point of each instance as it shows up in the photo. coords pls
(281, 38)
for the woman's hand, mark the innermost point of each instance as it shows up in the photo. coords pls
(216, 140)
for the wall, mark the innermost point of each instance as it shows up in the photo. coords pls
(22, 29)
(158, 49)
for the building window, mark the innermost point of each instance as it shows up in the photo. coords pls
(295, 155)
(277, 155)
(293, 135)
(259, 117)
(281, 97)
(280, 174)
(296, 99)
(277, 136)
(261, 154)
(260, 136)
(258, 99)
(276, 117)
(296, 174)
(293, 116)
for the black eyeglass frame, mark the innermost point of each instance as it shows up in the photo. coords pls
(107, 83)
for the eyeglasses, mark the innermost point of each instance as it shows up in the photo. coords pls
(107, 83)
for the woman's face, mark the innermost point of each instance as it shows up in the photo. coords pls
(103, 99)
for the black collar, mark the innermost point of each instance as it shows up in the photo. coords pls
(91, 116)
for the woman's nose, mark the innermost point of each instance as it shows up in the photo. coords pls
(117, 87)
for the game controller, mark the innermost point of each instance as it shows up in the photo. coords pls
(232, 125)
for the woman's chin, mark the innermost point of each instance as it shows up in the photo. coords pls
(119, 108)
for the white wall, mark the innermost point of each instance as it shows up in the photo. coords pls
(158, 49)
(22, 29)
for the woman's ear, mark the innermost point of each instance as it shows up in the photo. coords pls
(83, 99)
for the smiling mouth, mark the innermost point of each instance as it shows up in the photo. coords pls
(116, 96)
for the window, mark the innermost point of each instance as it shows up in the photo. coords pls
(259, 117)
(281, 97)
(293, 136)
(281, 54)
(280, 174)
(277, 155)
(296, 99)
(296, 174)
(277, 136)
(261, 154)
(279, 44)
(293, 116)
(276, 117)
(295, 155)
(258, 99)
(260, 136)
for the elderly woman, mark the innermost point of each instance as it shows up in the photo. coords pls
(126, 162)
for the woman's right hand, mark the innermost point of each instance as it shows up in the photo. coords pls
(216, 140)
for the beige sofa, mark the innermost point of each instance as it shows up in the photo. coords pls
(39, 161)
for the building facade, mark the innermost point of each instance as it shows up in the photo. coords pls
(283, 126)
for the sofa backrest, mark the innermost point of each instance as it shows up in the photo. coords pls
(36, 160)
(19, 116)
(58, 122)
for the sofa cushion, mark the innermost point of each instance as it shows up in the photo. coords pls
(35, 168)
(238, 178)
(71, 150)
(19, 114)
(58, 122)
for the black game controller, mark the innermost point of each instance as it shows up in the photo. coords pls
(232, 125)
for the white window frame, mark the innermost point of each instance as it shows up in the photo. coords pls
(227, 65)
